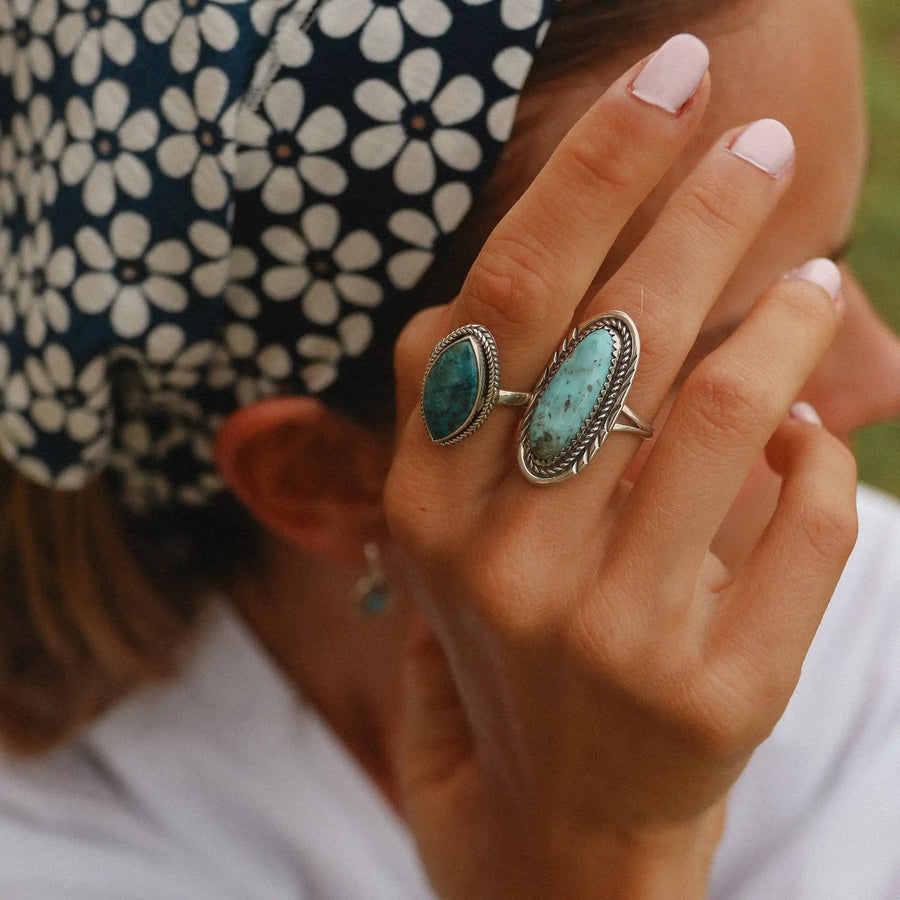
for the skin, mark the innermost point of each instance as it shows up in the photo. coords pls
(482, 726)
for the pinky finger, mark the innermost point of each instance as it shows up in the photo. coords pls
(780, 595)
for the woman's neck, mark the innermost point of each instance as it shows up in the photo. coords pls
(346, 663)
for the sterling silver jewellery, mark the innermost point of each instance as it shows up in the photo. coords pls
(462, 384)
(580, 398)
(372, 593)
(578, 402)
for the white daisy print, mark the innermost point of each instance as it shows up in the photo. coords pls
(39, 141)
(104, 155)
(129, 275)
(213, 244)
(9, 196)
(322, 354)
(511, 66)
(92, 30)
(61, 399)
(173, 363)
(286, 147)
(43, 275)
(25, 54)
(322, 266)
(16, 432)
(520, 14)
(206, 485)
(9, 278)
(292, 45)
(450, 204)
(250, 371)
(188, 24)
(417, 122)
(203, 146)
(242, 266)
(355, 332)
(382, 24)
(263, 14)
(141, 487)
(175, 423)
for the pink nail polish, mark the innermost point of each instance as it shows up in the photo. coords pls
(803, 412)
(822, 272)
(766, 144)
(673, 73)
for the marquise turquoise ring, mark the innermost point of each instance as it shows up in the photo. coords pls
(462, 385)
(577, 403)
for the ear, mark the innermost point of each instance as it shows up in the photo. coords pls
(306, 473)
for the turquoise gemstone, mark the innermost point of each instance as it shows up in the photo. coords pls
(452, 392)
(570, 397)
(375, 602)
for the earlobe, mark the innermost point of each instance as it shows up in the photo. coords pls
(306, 473)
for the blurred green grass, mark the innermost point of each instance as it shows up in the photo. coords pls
(875, 253)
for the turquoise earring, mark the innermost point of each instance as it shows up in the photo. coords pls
(372, 594)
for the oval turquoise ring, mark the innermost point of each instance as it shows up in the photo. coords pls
(462, 385)
(580, 398)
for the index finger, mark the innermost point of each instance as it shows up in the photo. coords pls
(543, 256)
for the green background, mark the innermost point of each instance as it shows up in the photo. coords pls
(875, 252)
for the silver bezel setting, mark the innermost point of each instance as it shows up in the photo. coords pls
(610, 401)
(488, 389)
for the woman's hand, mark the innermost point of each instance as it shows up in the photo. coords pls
(592, 679)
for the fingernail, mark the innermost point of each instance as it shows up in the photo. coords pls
(767, 144)
(673, 74)
(822, 272)
(803, 412)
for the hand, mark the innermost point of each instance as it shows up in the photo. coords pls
(592, 678)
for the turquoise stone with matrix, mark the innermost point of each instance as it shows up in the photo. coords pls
(571, 394)
(452, 390)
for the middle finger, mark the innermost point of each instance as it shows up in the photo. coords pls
(676, 274)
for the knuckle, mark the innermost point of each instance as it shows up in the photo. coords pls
(715, 208)
(828, 524)
(596, 163)
(730, 735)
(414, 342)
(722, 716)
(803, 303)
(725, 402)
(508, 282)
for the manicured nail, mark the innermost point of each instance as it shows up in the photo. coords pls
(822, 272)
(766, 144)
(803, 412)
(673, 74)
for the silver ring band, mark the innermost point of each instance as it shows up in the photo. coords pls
(635, 425)
(513, 398)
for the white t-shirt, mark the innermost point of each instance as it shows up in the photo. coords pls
(223, 785)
